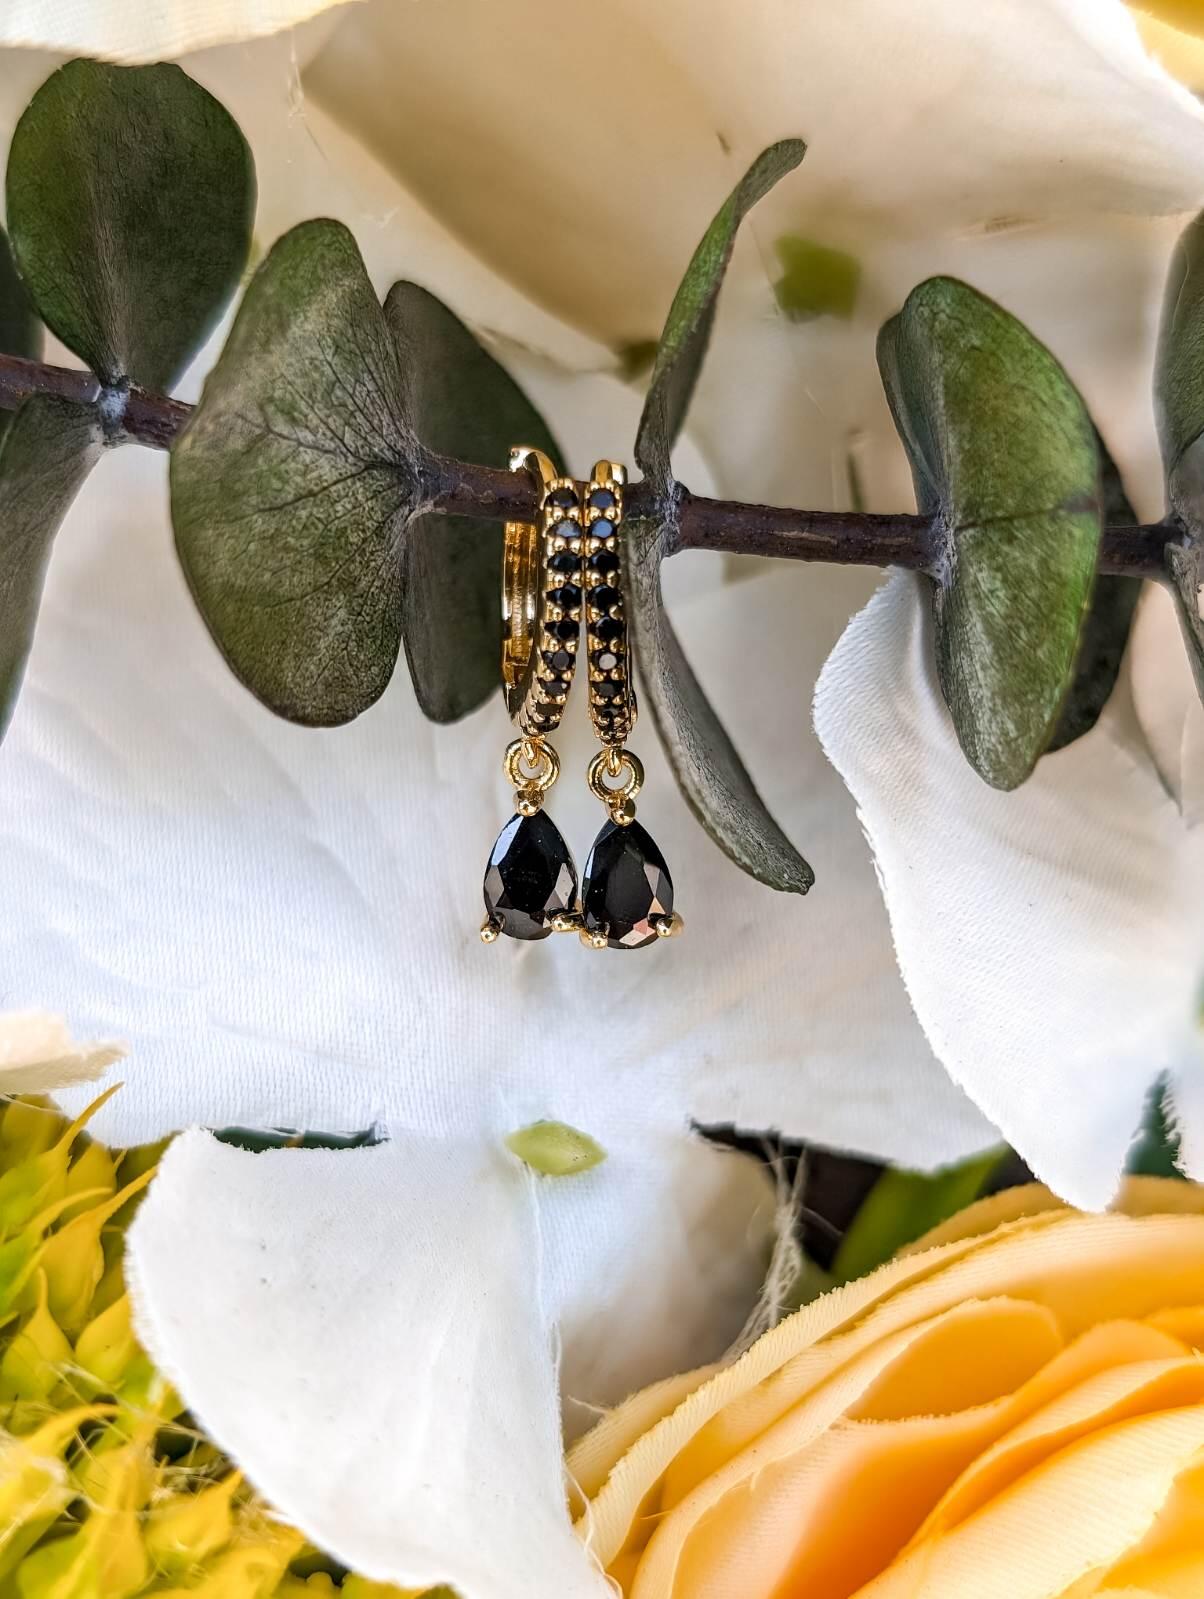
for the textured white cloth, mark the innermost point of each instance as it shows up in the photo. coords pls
(1052, 939)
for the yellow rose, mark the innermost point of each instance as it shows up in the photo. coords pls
(1013, 1409)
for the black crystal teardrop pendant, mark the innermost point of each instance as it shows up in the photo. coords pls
(530, 879)
(627, 892)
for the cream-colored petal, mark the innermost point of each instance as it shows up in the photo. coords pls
(129, 30)
(912, 114)
(38, 1054)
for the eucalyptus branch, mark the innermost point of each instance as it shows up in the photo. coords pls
(459, 488)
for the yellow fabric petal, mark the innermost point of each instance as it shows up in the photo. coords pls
(1083, 1269)
(1079, 1511)
(787, 1514)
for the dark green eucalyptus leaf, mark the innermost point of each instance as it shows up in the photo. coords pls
(687, 331)
(1005, 461)
(20, 330)
(47, 453)
(709, 772)
(292, 484)
(1179, 375)
(1185, 563)
(1106, 628)
(464, 405)
(1179, 392)
(131, 194)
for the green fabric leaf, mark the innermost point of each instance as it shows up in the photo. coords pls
(47, 453)
(1179, 395)
(709, 772)
(1005, 460)
(20, 330)
(1185, 563)
(1179, 375)
(466, 406)
(903, 1205)
(1106, 628)
(816, 279)
(292, 484)
(131, 194)
(687, 331)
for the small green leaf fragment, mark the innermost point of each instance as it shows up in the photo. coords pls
(256, 1139)
(463, 404)
(1156, 1149)
(1005, 460)
(687, 331)
(131, 194)
(293, 482)
(46, 453)
(710, 774)
(636, 360)
(903, 1205)
(554, 1149)
(816, 279)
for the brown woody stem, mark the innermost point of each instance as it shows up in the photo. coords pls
(850, 538)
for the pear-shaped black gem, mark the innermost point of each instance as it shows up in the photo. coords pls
(530, 877)
(627, 887)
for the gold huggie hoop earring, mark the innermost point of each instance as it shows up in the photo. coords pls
(531, 879)
(627, 893)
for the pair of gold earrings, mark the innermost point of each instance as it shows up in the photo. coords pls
(557, 575)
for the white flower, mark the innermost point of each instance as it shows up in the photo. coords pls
(1052, 939)
(282, 921)
(38, 1054)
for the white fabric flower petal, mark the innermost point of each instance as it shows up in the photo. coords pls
(283, 921)
(38, 1054)
(361, 1330)
(1050, 938)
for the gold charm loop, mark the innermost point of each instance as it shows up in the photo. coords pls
(541, 599)
(626, 774)
(531, 767)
